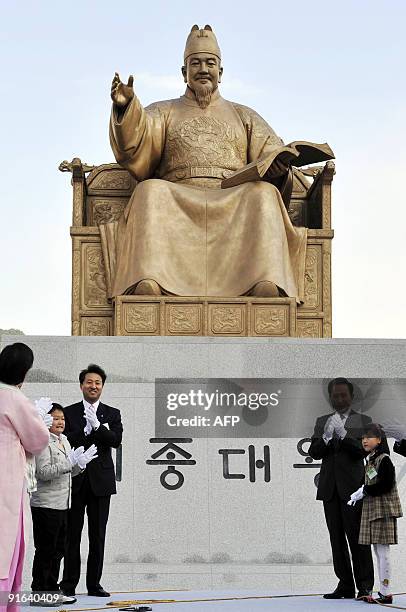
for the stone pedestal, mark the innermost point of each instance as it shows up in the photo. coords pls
(202, 316)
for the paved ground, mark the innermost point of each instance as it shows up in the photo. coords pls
(223, 601)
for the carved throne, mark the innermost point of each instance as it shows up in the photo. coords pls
(100, 193)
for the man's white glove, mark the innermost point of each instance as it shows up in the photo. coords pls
(338, 425)
(88, 428)
(356, 496)
(43, 406)
(87, 456)
(328, 430)
(394, 429)
(91, 418)
(74, 453)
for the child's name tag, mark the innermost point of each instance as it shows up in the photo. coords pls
(371, 472)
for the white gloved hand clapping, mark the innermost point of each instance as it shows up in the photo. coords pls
(339, 426)
(48, 420)
(328, 429)
(88, 427)
(87, 456)
(43, 406)
(91, 418)
(74, 453)
(356, 496)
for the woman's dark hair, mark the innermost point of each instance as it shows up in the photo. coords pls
(15, 361)
(56, 406)
(376, 430)
(92, 368)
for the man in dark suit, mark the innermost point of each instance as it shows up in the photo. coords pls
(91, 422)
(337, 442)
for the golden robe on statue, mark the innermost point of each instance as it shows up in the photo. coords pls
(179, 227)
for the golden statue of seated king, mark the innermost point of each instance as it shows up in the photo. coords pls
(181, 233)
(205, 225)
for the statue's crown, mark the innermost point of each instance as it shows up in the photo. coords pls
(201, 41)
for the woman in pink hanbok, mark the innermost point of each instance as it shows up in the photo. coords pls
(21, 431)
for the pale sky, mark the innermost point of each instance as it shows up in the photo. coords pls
(319, 71)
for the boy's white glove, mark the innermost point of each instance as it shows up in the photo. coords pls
(85, 457)
(356, 496)
(43, 406)
(74, 453)
(48, 420)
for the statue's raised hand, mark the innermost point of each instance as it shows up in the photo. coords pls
(122, 94)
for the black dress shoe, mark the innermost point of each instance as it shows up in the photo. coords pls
(100, 592)
(340, 594)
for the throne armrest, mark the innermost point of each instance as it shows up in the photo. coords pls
(319, 196)
(78, 171)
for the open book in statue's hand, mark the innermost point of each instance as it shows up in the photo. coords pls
(298, 153)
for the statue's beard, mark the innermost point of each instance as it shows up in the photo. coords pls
(203, 93)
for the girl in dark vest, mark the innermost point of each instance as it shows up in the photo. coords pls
(381, 506)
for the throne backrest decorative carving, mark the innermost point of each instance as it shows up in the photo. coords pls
(109, 188)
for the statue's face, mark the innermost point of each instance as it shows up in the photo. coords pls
(202, 70)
